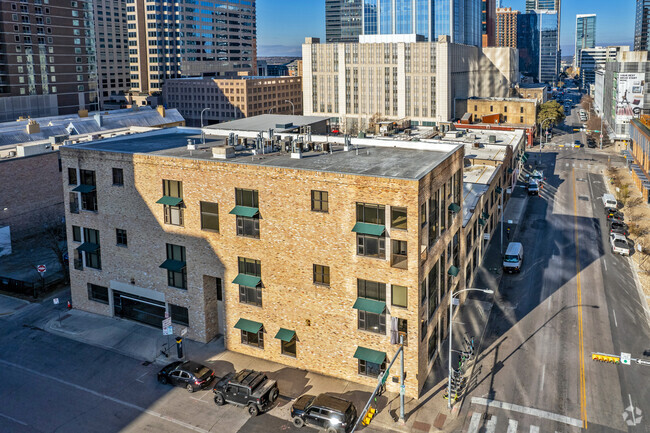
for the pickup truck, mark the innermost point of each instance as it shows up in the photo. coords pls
(619, 244)
(249, 388)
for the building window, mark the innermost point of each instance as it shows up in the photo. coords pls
(248, 294)
(118, 177)
(88, 199)
(76, 233)
(176, 278)
(371, 369)
(521, 110)
(253, 339)
(120, 236)
(289, 347)
(72, 176)
(210, 216)
(398, 218)
(219, 289)
(521, 119)
(322, 275)
(370, 245)
(249, 266)
(423, 214)
(319, 201)
(371, 213)
(505, 109)
(98, 293)
(247, 226)
(433, 344)
(173, 213)
(179, 315)
(74, 202)
(399, 257)
(93, 257)
(491, 108)
(369, 321)
(399, 296)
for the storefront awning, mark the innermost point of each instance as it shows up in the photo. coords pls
(369, 355)
(84, 188)
(173, 265)
(170, 201)
(285, 335)
(453, 271)
(248, 326)
(369, 305)
(247, 280)
(245, 211)
(88, 247)
(369, 229)
(453, 207)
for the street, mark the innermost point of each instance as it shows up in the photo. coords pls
(573, 297)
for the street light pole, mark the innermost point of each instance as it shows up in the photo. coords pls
(293, 108)
(451, 298)
(202, 111)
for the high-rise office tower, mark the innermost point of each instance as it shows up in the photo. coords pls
(459, 19)
(537, 44)
(488, 22)
(112, 45)
(549, 5)
(506, 28)
(218, 37)
(585, 35)
(47, 58)
(642, 25)
(342, 20)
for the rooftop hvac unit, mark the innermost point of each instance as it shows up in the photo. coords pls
(492, 138)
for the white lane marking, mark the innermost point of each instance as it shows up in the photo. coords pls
(17, 421)
(632, 409)
(528, 411)
(491, 425)
(512, 426)
(605, 264)
(543, 374)
(534, 429)
(139, 378)
(107, 397)
(473, 424)
(615, 322)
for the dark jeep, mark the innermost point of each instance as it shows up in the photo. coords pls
(248, 388)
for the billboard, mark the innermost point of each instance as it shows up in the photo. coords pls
(629, 95)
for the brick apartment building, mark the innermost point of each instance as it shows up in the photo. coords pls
(318, 262)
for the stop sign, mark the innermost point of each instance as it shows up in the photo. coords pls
(41, 268)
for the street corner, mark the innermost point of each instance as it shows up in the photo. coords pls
(10, 305)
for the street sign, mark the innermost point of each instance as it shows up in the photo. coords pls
(183, 332)
(167, 326)
(56, 301)
(41, 269)
(402, 389)
(455, 301)
(626, 358)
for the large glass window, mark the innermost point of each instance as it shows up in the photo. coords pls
(398, 218)
(72, 176)
(399, 256)
(368, 321)
(371, 369)
(371, 213)
(247, 226)
(433, 219)
(179, 315)
(371, 246)
(88, 199)
(173, 214)
(289, 347)
(399, 296)
(253, 339)
(320, 201)
(209, 216)
(98, 293)
(249, 266)
(433, 289)
(176, 279)
(433, 343)
(371, 290)
(76, 233)
(93, 258)
(246, 197)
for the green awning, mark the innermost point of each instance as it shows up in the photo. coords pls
(369, 229)
(482, 222)
(285, 335)
(247, 280)
(173, 265)
(453, 271)
(369, 305)
(248, 326)
(88, 247)
(245, 211)
(369, 355)
(170, 201)
(453, 207)
(485, 215)
(498, 189)
(524, 157)
(84, 188)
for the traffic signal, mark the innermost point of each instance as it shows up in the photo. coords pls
(369, 416)
(612, 359)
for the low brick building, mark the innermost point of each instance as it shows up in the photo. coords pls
(515, 111)
(318, 260)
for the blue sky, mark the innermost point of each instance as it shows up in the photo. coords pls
(282, 25)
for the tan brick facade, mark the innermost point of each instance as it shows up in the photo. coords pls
(292, 239)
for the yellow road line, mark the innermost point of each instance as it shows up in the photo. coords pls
(581, 355)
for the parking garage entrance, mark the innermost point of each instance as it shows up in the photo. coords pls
(138, 308)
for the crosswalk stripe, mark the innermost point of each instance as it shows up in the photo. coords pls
(534, 429)
(473, 424)
(491, 425)
(512, 426)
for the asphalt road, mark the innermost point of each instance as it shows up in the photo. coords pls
(573, 297)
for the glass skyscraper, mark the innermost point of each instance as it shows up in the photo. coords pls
(585, 35)
(537, 42)
(459, 19)
(342, 20)
(642, 25)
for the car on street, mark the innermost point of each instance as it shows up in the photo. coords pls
(533, 187)
(619, 244)
(188, 374)
(576, 143)
(591, 143)
(613, 214)
(248, 388)
(621, 229)
(333, 414)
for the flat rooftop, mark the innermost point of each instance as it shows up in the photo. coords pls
(476, 182)
(476, 98)
(363, 160)
(264, 122)
(482, 136)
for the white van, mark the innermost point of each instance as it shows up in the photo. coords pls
(514, 257)
(609, 201)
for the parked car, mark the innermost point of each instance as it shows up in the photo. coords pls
(620, 229)
(617, 225)
(619, 244)
(591, 143)
(533, 187)
(249, 388)
(614, 215)
(331, 413)
(576, 143)
(189, 374)
(610, 201)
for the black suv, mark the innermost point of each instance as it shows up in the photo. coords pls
(248, 388)
(334, 414)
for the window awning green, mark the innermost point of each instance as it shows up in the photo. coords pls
(84, 188)
(524, 157)
(369, 305)
(173, 265)
(285, 335)
(247, 280)
(245, 211)
(88, 247)
(369, 229)
(453, 207)
(248, 326)
(498, 189)
(170, 201)
(485, 215)
(482, 222)
(369, 355)
(453, 271)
